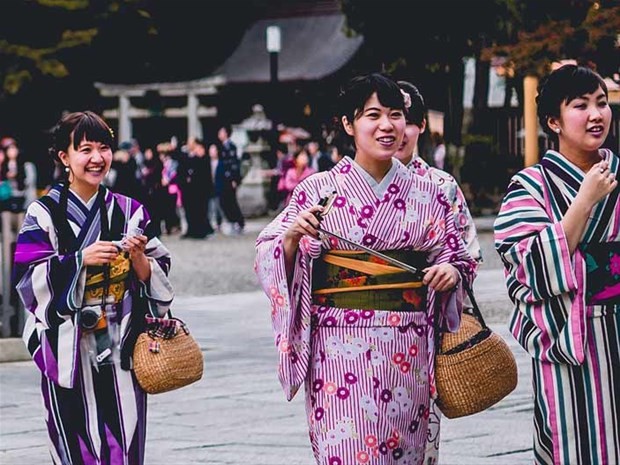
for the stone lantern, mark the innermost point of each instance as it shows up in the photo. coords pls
(251, 137)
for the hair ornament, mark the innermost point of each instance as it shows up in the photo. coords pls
(406, 99)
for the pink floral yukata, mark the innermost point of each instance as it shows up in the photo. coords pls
(368, 373)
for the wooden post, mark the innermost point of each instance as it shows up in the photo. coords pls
(530, 120)
(7, 265)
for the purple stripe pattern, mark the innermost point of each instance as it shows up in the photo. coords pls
(94, 416)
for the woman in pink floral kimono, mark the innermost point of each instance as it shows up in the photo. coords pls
(356, 330)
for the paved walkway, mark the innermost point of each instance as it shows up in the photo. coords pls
(237, 413)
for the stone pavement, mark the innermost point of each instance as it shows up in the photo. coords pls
(237, 413)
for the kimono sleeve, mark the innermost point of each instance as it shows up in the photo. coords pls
(51, 287)
(290, 302)
(450, 248)
(158, 290)
(540, 275)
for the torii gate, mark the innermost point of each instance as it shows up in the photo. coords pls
(193, 111)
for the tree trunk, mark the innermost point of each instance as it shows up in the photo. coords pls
(481, 97)
(453, 120)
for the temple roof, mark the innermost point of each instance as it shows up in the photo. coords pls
(312, 47)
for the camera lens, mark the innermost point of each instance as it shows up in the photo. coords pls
(89, 318)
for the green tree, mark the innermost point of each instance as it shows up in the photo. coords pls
(549, 31)
(426, 43)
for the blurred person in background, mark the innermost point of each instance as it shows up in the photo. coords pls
(231, 166)
(194, 177)
(297, 173)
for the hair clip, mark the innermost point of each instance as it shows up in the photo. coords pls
(406, 98)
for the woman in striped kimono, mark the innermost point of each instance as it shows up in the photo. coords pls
(416, 125)
(557, 233)
(87, 292)
(355, 330)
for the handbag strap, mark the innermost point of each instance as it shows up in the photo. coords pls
(476, 313)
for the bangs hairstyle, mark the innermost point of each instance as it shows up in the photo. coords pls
(564, 85)
(83, 124)
(417, 112)
(355, 94)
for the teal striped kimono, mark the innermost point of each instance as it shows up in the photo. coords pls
(575, 347)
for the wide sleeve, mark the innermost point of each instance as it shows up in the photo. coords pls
(158, 290)
(465, 224)
(541, 276)
(51, 287)
(451, 249)
(290, 302)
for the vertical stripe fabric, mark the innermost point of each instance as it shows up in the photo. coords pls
(95, 415)
(368, 373)
(574, 347)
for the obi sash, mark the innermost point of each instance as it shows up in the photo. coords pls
(96, 282)
(602, 273)
(358, 280)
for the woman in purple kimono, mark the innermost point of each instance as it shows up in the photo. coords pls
(354, 329)
(557, 233)
(87, 274)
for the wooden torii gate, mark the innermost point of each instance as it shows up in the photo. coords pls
(193, 111)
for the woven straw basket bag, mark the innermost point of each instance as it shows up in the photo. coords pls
(166, 356)
(474, 367)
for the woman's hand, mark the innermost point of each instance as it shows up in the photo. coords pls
(442, 277)
(597, 184)
(99, 253)
(305, 224)
(135, 246)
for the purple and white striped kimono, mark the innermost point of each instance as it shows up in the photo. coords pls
(94, 416)
(368, 373)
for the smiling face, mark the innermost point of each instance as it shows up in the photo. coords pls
(584, 123)
(88, 165)
(377, 131)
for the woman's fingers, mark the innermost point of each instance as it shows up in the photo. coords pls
(441, 277)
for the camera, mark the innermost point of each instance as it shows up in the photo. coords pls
(92, 317)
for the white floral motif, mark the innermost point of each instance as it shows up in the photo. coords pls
(335, 347)
(344, 429)
(393, 409)
(376, 358)
(383, 334)
(369, 406)
(356, 233)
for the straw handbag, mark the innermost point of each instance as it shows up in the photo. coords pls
(166, 356)
(474, 367)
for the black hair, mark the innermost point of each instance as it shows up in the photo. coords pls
(417, 111)
(355, 94)
(228, 128)
(82, 124)
(564, 85)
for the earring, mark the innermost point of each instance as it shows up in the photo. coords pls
(557, 130)
(66, 169)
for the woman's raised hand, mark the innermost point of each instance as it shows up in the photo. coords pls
(305, 224)
(597, 183)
